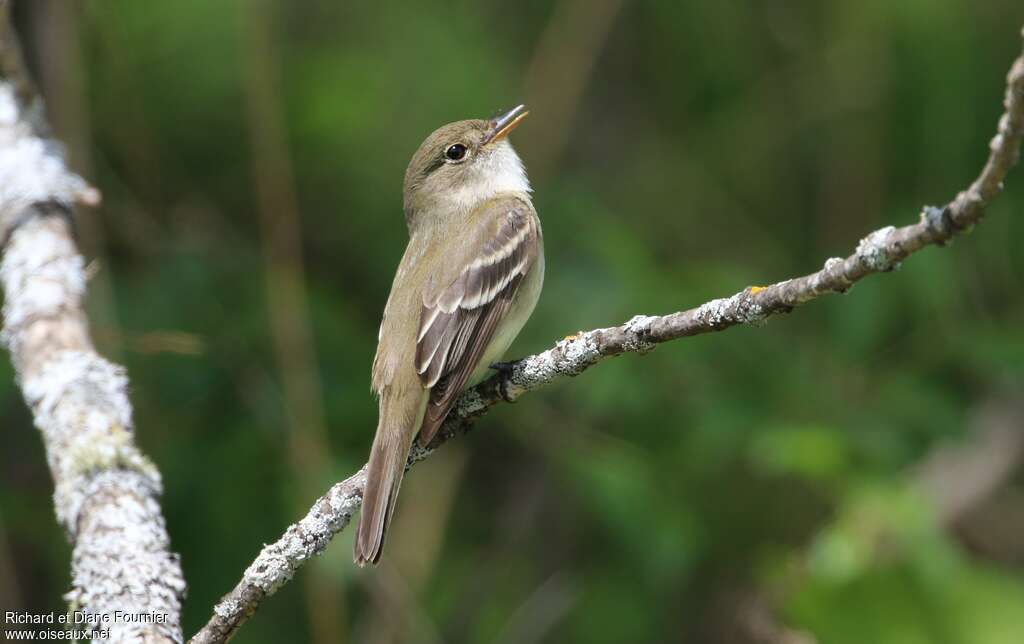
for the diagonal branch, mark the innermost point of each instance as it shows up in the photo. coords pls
(106, 491)
(880, 251)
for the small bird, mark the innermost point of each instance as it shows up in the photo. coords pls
(469, 279)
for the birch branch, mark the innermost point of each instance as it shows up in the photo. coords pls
(106, 491)
(880, 251)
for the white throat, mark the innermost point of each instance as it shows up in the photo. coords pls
(501, 171)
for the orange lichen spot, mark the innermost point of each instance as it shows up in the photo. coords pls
(754, 290)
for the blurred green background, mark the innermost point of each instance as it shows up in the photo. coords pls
(848, 473)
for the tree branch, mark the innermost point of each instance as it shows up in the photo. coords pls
(106, 490)
(880, 251)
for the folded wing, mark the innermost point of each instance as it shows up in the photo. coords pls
(458, 320)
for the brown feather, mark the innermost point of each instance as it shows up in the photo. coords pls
(479, 299)
(433, 337)
(384, 472)
(477, 338)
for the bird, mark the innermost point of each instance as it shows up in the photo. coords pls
(468, 281)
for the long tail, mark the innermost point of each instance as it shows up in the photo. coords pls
(384, 472)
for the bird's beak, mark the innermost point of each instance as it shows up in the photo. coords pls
(500, 126)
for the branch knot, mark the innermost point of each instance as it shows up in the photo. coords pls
(638, 333)
(873, 251)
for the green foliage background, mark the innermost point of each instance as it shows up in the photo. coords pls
(712, 145)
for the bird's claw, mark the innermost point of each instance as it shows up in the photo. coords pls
(504, 370)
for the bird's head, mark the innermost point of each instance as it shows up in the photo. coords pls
(463, 164)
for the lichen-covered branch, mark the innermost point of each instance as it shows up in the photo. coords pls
(880, 251)
(106, 491)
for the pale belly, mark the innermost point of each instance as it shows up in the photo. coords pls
(512, 324)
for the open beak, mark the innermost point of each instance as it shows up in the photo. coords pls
(500, 126)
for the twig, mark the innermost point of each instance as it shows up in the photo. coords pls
(959, 477)
(880, 251)
(106, 491)
(287, 298)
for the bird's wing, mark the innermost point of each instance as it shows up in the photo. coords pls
(458, 319)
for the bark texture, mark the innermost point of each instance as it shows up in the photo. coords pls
(106, 491)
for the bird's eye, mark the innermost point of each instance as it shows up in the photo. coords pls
(456, 152)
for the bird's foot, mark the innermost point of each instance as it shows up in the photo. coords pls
(504, 370)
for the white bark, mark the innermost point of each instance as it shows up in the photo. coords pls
(106, 491)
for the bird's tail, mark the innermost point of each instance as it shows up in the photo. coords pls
(384, 474)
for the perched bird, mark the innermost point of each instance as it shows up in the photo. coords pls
(467, 283)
